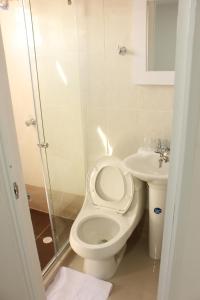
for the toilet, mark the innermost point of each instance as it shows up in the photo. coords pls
(113, 207)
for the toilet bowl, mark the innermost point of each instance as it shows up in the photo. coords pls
(113, 206)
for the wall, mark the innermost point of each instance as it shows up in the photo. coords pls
(118, 114)
(55, 34)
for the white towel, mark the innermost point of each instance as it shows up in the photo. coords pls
(73, 285)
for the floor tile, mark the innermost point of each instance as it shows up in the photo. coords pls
(40, 221)
(137, 275)
(45, 251)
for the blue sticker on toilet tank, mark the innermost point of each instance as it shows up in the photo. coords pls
(157, 210)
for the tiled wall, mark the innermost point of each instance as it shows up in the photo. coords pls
(55, 29)
(55, 33)
(96, 94)
(118, 114)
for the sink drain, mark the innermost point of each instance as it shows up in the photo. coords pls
(47, 240)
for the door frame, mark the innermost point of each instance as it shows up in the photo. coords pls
(18, 226)
(32, 57)
(184, 135)
(186, 116)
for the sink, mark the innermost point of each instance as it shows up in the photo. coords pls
(145, 166)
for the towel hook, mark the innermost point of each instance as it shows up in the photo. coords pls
(122, 50)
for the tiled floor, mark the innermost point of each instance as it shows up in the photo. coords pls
(64, 205)
(42, 229)
(137, 275)
(62, 228)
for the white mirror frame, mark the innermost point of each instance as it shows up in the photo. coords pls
(141, 74)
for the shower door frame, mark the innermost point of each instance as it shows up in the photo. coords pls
(19, 213)
(28, 20)
(38, 112)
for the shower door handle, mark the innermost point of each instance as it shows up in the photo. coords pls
(43, 145)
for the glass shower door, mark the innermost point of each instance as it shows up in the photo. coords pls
(55, 65)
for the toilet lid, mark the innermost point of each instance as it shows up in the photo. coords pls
(111, 185)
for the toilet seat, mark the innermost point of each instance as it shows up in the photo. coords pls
(111, 186)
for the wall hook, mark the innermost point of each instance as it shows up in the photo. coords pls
(122, 50)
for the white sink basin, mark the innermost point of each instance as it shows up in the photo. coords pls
(145, 166)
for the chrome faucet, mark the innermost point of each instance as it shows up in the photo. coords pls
(164, 150)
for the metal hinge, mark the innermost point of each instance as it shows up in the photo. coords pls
(16, 190)
(43, 145)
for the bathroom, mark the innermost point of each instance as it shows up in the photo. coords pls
(81, 96)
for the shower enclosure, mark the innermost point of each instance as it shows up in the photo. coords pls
(71, 61)
(52, 39)
(48, 115)
(82, 87)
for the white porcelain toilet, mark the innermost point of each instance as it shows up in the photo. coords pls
(113, 206)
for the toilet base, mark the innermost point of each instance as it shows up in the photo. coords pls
(105, 268)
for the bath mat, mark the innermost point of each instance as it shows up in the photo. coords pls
(73, 285)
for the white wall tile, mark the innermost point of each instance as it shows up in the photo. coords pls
(99, 95)
(132, 112)
(56, 42)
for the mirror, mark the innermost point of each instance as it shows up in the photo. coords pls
(154, 41)
(161, 34)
